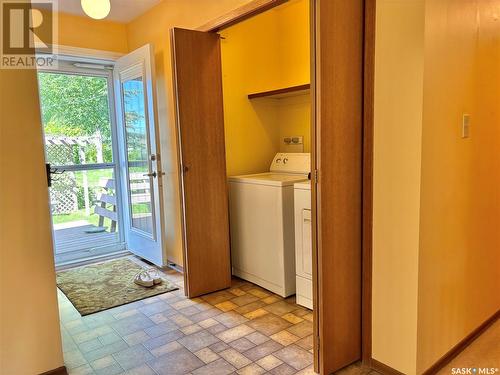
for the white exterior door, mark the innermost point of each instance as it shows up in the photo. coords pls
(139, 149)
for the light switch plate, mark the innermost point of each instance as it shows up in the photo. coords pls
(465, 126)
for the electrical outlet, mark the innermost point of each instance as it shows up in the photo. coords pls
(293, 140)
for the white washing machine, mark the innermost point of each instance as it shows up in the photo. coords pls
(303, 244)
(262, 223)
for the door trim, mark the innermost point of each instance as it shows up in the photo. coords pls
(79, 54)
(240, 14)
(314, 179)
(368, 128)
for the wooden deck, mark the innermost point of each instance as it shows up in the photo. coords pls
(76, 242)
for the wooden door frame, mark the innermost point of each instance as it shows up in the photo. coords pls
(368, 129)
(314, 177)
(256, 7)
(240, 14)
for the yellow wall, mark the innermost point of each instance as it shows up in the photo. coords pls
(459, 263)
(30, 337)
(436, 195)
(249, 60)
(85, 32)
(266, 52)
(294, 118)
(30, 340)
(154, 27)
(399, 69)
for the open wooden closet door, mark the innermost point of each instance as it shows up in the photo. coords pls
(337, 196)
(200, 127)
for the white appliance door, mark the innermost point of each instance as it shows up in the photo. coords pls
(139, 151)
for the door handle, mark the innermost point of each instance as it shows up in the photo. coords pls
(153, 174)
(49, 170)
(185, 168)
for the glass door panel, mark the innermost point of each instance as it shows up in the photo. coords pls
(79, 149)
(140, 161)
(138, 157)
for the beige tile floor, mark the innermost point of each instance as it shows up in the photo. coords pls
(242, 330)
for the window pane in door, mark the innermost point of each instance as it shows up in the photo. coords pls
(136, 133)
(75, 117)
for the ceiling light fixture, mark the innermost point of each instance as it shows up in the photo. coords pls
(97, 9)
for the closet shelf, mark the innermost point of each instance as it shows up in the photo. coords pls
(282, 93)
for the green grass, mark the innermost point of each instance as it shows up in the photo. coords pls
(76, 216)
(93, 177)
(93, 218)
(141, 208)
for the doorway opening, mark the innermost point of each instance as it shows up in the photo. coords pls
(81, 156)
(336, 141)
(266, 77)
(103, 163)
(247, 144)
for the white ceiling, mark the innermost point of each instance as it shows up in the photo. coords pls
(121, 10)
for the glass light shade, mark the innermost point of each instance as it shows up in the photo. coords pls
(97, 9)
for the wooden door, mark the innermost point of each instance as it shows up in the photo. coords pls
(337, 196)
(200, 125)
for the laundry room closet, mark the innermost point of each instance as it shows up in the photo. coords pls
(267, 52)
(267, 123)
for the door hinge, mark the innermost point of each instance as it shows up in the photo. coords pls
(315, 176)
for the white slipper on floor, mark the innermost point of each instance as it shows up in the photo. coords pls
(155, 275)
(144, 279)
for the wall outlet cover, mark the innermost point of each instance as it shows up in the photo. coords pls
(293, 140)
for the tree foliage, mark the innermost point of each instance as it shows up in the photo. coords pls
(74, 105)
(77, 105)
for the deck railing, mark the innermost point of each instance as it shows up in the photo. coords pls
(106, 204)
